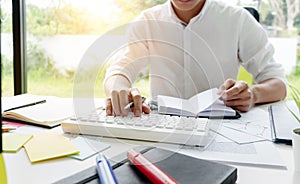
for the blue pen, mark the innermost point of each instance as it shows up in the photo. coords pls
(105, 172)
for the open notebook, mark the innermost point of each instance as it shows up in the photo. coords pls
(205, 104)
(47, 114)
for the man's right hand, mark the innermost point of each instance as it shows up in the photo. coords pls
(119, 99)
(119, 94)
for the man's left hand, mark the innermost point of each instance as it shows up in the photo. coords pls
(237, 94)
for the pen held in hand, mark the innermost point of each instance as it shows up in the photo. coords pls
(131, 104)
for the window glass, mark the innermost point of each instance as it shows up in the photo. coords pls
(60, 31)
(6, 48)
(281, 21)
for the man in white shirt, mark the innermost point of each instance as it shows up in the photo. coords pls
(191, 46)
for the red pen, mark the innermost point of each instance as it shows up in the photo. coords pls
(150, 170)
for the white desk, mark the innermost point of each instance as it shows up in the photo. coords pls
(20, 170)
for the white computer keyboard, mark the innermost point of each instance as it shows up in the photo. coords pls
(153, 127)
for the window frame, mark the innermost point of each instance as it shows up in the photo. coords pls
(19, 46)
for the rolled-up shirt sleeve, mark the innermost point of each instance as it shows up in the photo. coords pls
(256, 52)
(134, 57)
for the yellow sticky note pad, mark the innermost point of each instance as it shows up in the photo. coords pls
(48, 146)
(13, 142)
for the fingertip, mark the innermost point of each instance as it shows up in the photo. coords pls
(228, 84)
(146, 109)
(108, 112)
(224, 95)
(117, 113)
(221, 91)
(137, 112)
(125, 112)
(135, 92)
(108, 107)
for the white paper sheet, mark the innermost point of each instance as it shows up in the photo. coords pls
(253, 125)
(87, 147)
(260, 154)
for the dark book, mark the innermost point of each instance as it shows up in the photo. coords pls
(182, 168)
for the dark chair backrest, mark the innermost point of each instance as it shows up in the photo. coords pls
(253, 12)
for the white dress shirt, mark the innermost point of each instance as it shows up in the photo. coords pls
(187, 59)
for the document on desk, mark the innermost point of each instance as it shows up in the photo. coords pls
(253, 126)
(259, 154)
(238, 136)
(87, 147)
